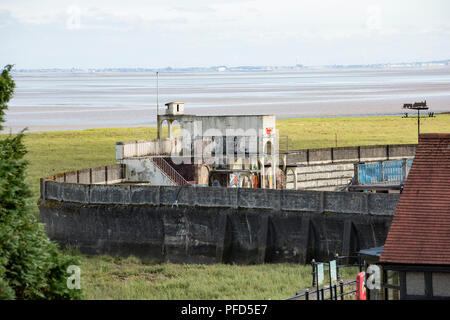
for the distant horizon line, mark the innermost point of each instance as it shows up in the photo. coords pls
(223, 68)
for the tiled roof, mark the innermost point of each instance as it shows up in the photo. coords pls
(420, 229)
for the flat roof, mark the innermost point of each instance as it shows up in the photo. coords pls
(376, 251)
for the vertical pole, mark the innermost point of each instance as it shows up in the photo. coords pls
(157, 93)
(331, 282)
(341, 289)
(418, 125)
(337, 267)
(313, 273)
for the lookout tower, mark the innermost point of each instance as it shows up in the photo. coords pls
(175, 108)
(174, 112)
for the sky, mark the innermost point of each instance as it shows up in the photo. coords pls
(202, 33)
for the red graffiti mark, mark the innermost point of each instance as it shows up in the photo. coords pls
(268, 131)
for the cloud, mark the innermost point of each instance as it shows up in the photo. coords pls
(217, 30)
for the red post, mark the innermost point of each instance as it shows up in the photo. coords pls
(360, 288)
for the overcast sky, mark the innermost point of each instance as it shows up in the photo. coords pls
(133, 33)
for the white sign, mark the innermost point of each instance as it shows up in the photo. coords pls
(333, 272)
(320, 276)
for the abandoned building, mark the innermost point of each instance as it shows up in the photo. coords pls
(243, 151)
(415, 259)
(233, 151)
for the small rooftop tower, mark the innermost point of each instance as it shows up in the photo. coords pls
(175, 108)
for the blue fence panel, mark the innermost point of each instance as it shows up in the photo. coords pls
(383, 172)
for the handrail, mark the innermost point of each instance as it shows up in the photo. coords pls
(169, 171)
(307, 295)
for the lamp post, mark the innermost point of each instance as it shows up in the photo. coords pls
(417, 106)
(157, 93)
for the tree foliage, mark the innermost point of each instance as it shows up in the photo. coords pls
(31, 266)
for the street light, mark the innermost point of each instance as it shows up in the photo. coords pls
(417, 106)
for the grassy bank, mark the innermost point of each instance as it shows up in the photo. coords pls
(106, 277)
(111, 278)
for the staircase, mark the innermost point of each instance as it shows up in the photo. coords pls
(169, 171)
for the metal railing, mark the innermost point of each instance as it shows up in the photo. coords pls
(382, 172)
(169, 171)
(320, 293)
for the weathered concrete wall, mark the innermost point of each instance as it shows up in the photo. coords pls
(144, 170)
(325, 177)
(330, 169)
(151, 147)
(100, 175)
(211, 224)
(287, 200)
(351, 154)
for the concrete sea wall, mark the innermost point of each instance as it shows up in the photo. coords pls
(212, 224)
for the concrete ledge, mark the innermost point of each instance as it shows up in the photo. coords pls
(402, 150)
(345, 202)
(84, 176)
(285, 200)
(259, 198)
(72, 192)
(379, 204)
(345, 154)
(372, 153)
(71, 177)
(98, 175)
(351, 154)
(309, 201)
(52, 190)
(320, 155)
(145, 195)
(169, 195)
(114, 194)
(215, 197)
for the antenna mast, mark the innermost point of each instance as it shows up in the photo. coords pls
(157, 93)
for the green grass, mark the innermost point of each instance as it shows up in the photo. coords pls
(112, 278)
(352, 131)
(105, 277)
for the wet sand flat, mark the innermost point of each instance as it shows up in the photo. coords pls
(79, 101)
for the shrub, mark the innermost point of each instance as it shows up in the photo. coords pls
(31, 266)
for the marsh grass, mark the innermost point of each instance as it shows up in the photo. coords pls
(105, 277)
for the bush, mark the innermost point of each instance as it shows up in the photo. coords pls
(31, 266)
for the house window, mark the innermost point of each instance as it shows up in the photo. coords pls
(415, 283)
(441, 284)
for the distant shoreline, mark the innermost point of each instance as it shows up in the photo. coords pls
(222, 68)
(36, 129)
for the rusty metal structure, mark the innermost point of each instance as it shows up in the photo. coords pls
(417, 106)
